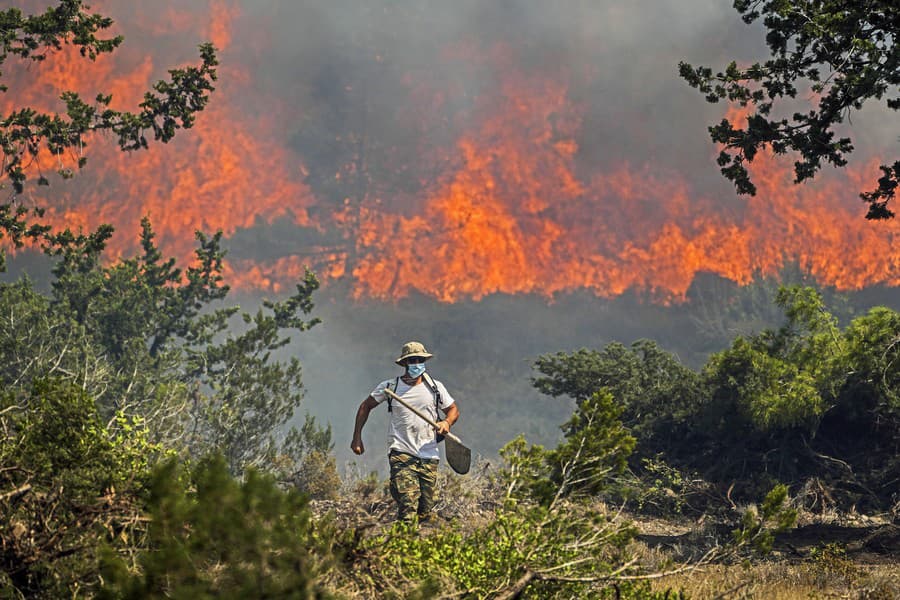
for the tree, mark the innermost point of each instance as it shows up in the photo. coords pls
(863, 427)
(596, 448)
(25, 133)
(147, 339)
(118, 365)
(809, 399)
(769, 393)
(655, 391)
(122, 363)
(872, 347)
(251, 396)
(844, 51)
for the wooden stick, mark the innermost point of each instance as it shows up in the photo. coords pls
(422, 415)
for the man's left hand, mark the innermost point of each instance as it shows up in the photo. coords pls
(443, 427)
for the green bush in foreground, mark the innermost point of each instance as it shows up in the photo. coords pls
(218, 537)
(67, 486)
(595, 448)
(573, 552)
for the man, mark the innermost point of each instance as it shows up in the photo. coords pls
(413, 454)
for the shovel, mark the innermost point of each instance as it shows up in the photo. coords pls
(458, 456)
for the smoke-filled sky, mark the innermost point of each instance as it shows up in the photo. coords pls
(459, 150)
(417, 154)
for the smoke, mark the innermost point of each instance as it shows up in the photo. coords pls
(622, 58)
(497, 179)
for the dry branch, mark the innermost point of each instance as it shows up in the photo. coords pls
(16, 493)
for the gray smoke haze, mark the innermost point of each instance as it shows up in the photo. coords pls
(412, 77)
(622, 57)
(639, 108)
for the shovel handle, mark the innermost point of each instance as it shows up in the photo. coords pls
(421, 415)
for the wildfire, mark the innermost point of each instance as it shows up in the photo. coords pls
(229, 172)
(511, 211)
(516, 219)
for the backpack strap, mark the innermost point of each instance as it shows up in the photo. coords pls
(394, 389)
(437, 399)
(429, 383)
(434, 389)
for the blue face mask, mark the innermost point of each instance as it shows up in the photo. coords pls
(415, 370)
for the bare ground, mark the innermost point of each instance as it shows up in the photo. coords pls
(851, 557)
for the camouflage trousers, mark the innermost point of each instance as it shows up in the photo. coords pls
(413, 481)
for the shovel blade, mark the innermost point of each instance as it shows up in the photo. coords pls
(458, 456)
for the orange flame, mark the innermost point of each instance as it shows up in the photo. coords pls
(516, 219)
(229, 172)
(516, 213)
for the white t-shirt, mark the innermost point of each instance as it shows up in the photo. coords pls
(409, 432)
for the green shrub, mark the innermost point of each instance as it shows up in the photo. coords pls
(70, 484)
(595, 449)
(572, 552)
(766, 392)
(212, 536)
(760, 525)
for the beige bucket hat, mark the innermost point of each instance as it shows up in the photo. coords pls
(413, 349)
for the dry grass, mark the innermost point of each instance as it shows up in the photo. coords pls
(829, 555)
(781, 580)
(826, 557)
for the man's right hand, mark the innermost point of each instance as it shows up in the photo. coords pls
(357, 446)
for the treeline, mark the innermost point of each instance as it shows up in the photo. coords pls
(810, 404)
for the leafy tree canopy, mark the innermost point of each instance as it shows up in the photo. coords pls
(651, 385)
(25, 132)
(845, 51)
(808, 399)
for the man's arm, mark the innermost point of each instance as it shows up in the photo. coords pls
(362, 415)
(452, 414)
